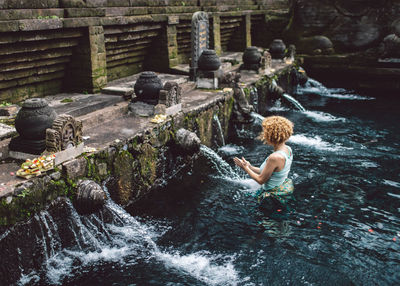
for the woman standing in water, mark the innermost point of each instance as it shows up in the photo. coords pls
(273, 173)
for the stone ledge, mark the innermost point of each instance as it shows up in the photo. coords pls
(40, 24)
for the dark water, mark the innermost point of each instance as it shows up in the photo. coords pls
(343, 228)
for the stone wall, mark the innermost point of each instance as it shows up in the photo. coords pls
(137, 166)
(74, 45)
(352, 25)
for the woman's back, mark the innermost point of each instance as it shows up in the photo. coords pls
(277, 178)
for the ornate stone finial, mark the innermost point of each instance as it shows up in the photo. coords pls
(251, 59)
(277, 49)
(31, 123)
(65, 133)
(147, 88)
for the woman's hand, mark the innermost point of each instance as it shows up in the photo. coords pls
(242, 163)
(245, 163)
(238, 162)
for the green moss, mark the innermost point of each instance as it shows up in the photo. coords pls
(65, 100)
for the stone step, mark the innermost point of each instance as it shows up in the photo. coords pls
(80, 105)
(118, 90)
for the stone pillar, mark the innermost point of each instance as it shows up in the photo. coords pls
(247, 29)
(87, 71)
(217, 34)
(98, 64)
(172, 40)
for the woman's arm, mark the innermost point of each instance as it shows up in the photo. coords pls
(261, 178)
(243, 161)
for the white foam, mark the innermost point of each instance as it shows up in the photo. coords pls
(394, 195)
(231, 149)
(59, 267)
(28, 279)
(313, 86)
(315, 142)
(391, 183)
(208, 268)
(320, 116)
(347, 96)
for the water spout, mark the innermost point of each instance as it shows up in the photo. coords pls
(294, 102)
(218, 126)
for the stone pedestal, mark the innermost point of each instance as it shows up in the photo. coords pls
(142, 109)
(208, 79)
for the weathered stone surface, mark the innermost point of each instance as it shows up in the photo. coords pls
(85, 12)
(40, 24)
(141, 109)
(350, 24)
(187, 141)
(81, 22)
(310, 45)
(76, 168)
(28, 4)
(90, 196)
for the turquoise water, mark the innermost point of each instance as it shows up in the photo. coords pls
(342, 228)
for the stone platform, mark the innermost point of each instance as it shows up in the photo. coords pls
(109, 128)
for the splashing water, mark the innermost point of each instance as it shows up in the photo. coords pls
(222, 167)
(316, 142)
(319, 116)
(313, 86)
(219, 129)
(294, 102)
(122, 240)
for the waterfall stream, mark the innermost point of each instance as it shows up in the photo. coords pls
(219, 130)
(294, 102)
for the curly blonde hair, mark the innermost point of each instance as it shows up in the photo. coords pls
(276, 130)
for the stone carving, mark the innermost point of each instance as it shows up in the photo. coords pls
(229, 79)
(171, 94)
(199, 40)
(31, 123)
(170, 99)
(90, 197)
(147, 88)
(187, 141)
(266, 60)
(65, 133)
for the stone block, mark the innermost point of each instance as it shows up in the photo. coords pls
(40, 24)
(141, 109)
(75, 169)
(15, 14)
(81, 22)
(28, 4)
(9, 26)
(173, 20)
(68, 154)
(84, 12)
(118, 3)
